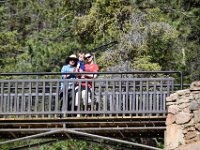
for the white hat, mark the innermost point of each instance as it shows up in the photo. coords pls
(73, 56)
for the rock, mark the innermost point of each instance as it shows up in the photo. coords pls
(170, 103)
(182, 117)
(196, 96)
(193, 105)
(170, 119)
(189, 129)
(195, 139)
(182, 92)
(174, 137)
(184, 105)
(184, 100)
(190, 135)
(172, 98)
(195, 86)
(187, 110)
(173, 109)
(197, 126)
(196, 116)
(192, 146)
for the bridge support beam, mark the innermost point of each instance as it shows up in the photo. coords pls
(110, 139)
(30, 137)
(70, 131)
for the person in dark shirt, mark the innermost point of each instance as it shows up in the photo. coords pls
(80, 64)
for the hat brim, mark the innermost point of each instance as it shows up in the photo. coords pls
(70, 58)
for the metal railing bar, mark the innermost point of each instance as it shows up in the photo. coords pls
(131, 121)
(82, 112)
(98, 73)
(87, 129)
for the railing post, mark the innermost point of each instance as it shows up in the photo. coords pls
(181, 79)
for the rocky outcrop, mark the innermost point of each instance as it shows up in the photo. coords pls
(183, 119)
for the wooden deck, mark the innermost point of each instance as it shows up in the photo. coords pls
(120, 127)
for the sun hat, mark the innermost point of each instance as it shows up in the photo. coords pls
(72, 57)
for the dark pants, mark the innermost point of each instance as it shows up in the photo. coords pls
(69, 106)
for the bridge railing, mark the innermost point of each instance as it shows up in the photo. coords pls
(40, 98)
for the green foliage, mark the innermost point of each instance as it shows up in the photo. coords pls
(9, 49)
(145, 64)
(75, 145)
(103, 22)
(160, 142)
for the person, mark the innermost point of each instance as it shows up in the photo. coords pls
(80, 64)
(69, 67)
(90, 66)
(86, 88)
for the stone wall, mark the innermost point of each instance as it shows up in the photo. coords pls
(183, 119)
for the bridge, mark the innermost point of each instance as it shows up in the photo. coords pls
(123, 105)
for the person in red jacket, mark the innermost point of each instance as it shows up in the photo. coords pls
(86, 88)
(90, 66)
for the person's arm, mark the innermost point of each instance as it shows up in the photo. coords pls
(78, 66)
(64, 70)
(91, 75)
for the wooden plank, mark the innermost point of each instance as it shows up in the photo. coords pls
(86, 118)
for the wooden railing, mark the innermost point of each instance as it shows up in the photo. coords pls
(39, 98)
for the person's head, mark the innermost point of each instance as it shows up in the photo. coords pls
(81, 56)
(88, 58)
(72, 60)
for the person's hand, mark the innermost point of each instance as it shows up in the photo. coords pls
(66, 76)
(78, 66)
(75, 70)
